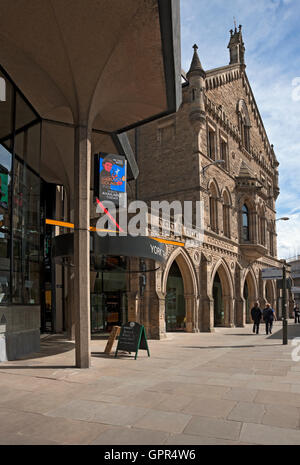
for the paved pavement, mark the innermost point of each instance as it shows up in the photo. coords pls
(230, 387)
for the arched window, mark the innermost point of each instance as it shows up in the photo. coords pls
(226, 215)
(245, 223)
(213, 208)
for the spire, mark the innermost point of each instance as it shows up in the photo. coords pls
(196, 66)
(236, 46)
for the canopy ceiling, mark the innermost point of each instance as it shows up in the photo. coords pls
(113, 64)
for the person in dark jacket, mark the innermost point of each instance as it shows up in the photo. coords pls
(269, 316)
(256, 315)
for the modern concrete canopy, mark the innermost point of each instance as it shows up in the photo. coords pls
(92, 66)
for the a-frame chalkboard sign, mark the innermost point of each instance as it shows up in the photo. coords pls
(132, 338)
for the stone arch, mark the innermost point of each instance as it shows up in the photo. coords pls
(269, 292)
(190, 284)
(251, 283)
(221, 269)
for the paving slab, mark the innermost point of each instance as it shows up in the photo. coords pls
(130, 436)
(159, 420)
(216, 408)
(283, 416)
(212, 427)
(269, 435)
(247, 412)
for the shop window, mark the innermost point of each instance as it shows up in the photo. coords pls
(5, 219)
(26, 235)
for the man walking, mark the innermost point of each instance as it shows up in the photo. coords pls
(256, 315)
(269, 316)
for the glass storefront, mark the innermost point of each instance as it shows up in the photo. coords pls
(20, 215)
(108, 292)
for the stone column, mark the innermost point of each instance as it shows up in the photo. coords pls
(82, 168)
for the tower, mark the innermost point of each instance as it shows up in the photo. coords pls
(196, 76)
(236, 47)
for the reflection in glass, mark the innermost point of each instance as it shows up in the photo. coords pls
(5, 181)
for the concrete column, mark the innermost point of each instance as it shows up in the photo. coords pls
(82, 167)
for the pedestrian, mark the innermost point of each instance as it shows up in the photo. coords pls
(297, 314)
(256, 314)
(269, 316)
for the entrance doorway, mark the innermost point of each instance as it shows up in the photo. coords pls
(108, 293)
(219, 314)
(247, 302)
(175, 303)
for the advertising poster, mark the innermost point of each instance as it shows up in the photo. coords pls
(112, 179)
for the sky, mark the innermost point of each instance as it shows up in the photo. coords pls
(271, 34)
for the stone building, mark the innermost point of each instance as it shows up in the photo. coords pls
(295, 274)
(179, 157)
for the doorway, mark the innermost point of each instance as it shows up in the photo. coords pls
(219, 314)
(175, 303)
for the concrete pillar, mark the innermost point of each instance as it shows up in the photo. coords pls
(82, 167)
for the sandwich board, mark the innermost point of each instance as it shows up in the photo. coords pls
(132, 338)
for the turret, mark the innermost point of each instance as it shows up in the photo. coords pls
(236, 47)
(196, 77)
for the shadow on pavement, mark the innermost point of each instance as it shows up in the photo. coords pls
(293, 331)
(229, 347)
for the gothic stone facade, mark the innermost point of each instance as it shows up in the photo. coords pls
(218, 120)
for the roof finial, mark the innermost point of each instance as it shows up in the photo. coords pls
(234, 20)
(195, 47)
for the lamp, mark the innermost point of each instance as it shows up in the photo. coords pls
(217, 162)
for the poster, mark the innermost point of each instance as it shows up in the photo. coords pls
(112, 179)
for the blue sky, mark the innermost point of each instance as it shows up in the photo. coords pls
(271, 34)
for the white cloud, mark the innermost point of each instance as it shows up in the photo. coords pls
(288, 241)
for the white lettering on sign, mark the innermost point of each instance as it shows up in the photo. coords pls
(157, 250)
(2, 90)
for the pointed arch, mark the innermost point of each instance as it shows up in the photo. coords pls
(250, 293)
(214, 195)
(222, 291)
(190, 286)
(226, 278)
(226, 212)
(186, 268)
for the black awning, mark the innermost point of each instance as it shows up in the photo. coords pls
(127, 246)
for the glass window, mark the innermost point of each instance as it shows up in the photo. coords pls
(26, 221)
(245, 216)
(211, 144)
(6, 108)
(5, 218)
(24, 113)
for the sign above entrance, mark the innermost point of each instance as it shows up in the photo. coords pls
(127, 246)
(271, 273)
